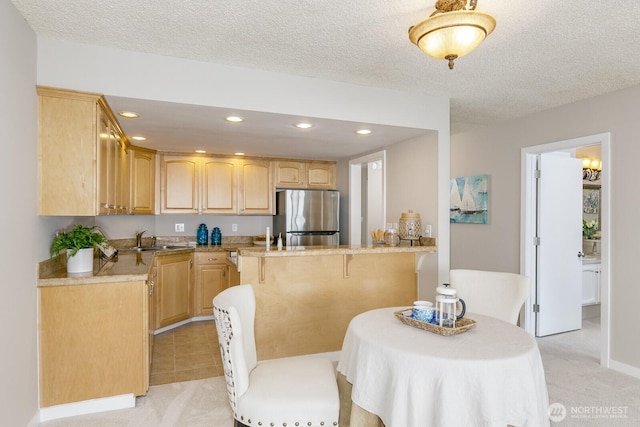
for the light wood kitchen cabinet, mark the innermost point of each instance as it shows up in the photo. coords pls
(173, 289)
(80, 151)
(321, 175)
(122, 179)
(300, 174)
(214, 273)
(256, 189)
(290, 174)
(219, 186)
(198, 185)
(143, 181)
(151, 318)
(210, 185)
(212, 277)
(179, 187)
(93, 341)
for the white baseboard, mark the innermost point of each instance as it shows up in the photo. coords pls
(633, 371)
(84, 407)
(183, 322)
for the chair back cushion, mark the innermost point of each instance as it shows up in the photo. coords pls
(234, 311)
(491, 293)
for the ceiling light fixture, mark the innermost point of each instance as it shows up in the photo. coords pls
(234, 119)
(239, 153)
(304, 125)
(129, 114)
(139, 138)
(363, 132)
(453, 30)
(201, 151)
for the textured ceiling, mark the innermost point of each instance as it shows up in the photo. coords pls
(542, 54)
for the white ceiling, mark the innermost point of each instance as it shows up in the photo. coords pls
(542, 54)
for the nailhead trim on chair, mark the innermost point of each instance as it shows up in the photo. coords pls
(227, 335)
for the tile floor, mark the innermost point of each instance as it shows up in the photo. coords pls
(188, 352)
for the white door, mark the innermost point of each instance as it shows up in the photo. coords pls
(559, 287)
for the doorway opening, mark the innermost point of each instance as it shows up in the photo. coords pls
(528, 264)
(367, 201)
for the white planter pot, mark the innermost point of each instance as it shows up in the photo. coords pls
(81, 262)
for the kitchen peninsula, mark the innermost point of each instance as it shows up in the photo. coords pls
(96, 331)
(306, 296)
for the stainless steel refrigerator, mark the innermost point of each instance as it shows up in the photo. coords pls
(307, 217)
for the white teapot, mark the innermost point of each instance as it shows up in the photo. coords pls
(447, 306)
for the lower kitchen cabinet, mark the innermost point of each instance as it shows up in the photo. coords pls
(213, 275)
(173, 292)
(93, 341)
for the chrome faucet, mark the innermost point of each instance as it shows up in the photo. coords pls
(139, 238)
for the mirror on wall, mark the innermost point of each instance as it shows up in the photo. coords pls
(591, 211)
(591, 219)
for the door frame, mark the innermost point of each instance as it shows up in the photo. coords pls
(528, 220)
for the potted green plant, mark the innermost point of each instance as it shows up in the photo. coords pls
(79, 244)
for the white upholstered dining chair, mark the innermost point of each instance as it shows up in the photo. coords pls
(492, 293)
(286, 392)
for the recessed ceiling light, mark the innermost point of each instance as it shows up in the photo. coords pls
(234, 119)
(139, 138)
(239, 153)
(200, 151)
(363, 132)
(304, 125)
(129, 114)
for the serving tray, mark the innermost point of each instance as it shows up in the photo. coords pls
(462, 325)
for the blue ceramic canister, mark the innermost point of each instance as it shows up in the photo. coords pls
(202, 237)
(216, 237)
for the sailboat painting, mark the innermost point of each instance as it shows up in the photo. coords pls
(469, 200)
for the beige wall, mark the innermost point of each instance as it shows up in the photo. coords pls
(18, 368)
(26, 237)
(496, 151)
(412, 183)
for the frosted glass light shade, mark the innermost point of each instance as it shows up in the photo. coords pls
(452, 34)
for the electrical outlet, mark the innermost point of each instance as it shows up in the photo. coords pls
(234, 227)
(179, 228)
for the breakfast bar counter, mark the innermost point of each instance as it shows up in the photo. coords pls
(306, 296)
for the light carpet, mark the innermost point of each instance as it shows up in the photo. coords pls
(588, 392)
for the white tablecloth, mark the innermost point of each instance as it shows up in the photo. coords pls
(491, 375)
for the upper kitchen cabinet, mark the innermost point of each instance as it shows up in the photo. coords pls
(256, 190)
(82, 155)
(219, 186)
(180, 184)
(143, 181)
(301, 174)
(198, 185)
(321, 175)
(212, 185)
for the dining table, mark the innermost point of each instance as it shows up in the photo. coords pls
(396, 375)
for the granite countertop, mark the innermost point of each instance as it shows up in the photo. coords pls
(129, 265)
(133, 265)
(331, 250)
